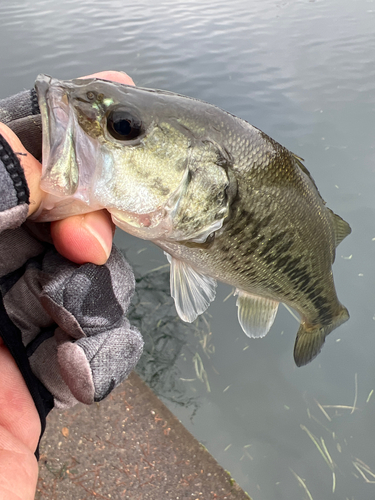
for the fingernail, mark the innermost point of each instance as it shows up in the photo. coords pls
(98, 226)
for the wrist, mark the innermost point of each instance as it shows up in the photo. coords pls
(31, 167)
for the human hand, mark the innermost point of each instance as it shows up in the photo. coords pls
(20, 429)
(82, 238)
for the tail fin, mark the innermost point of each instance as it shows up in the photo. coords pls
(309, 342)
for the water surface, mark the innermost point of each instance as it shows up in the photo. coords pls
(303, 72)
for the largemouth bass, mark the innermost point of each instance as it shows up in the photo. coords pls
(221, 198)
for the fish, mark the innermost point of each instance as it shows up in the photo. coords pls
(222, 199)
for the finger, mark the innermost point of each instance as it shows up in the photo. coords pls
(84, 238)
(19, 432)
(31, 167)
(18, 468)
(18, 414)
(114, 76)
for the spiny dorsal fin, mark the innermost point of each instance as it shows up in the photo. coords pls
(340, 227)
(299, 162)
(192, 291)
(255, 314)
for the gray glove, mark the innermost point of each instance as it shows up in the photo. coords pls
(21, 113)
(72, 320)
(64, 324)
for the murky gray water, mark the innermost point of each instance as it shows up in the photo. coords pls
(303, 72)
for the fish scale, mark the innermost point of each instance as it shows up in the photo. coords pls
(221, 198)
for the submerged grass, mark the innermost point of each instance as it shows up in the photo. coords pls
(364, 469)
(361, 469)
(200, 371)
(302, 483)
(245, 453)
(323, 411)
(369, 396)
(322, 448)
(291, 312)
(352, 407)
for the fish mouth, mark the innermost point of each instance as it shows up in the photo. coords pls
(60, 170)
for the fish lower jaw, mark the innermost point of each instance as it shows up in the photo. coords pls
(149, 226)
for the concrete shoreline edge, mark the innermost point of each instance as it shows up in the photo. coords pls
(129, 446)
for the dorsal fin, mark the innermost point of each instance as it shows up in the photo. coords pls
(340, 227)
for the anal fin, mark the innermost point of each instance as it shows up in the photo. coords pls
(255, 314)
(192, 291)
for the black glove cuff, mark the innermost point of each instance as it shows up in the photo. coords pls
(15, 172)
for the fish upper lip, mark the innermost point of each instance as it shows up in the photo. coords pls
(48, 107)
(56, 116)
(59, 111)
(47, 89)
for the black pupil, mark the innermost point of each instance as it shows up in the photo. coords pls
(123, 125)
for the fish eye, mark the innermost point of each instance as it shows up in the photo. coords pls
(123, 125)
(90, 96)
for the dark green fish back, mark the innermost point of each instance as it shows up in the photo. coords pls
(279, 240)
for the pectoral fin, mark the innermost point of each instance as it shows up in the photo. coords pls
(191, 290)
(255, 314)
